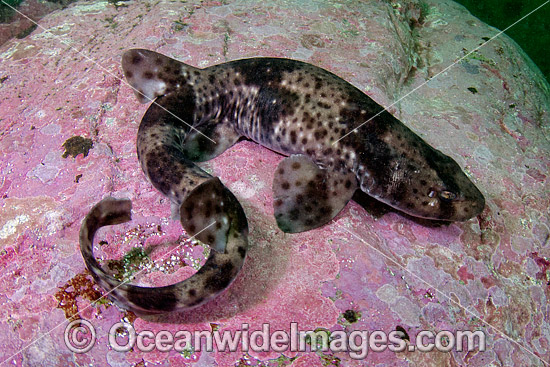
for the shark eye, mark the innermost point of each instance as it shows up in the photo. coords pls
(447, 195)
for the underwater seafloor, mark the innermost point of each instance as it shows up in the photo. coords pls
(364, 271)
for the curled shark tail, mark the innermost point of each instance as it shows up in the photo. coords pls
(229, 242)
(213, 215)
(108, 211)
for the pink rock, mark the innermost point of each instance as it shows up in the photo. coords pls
(362, 271)
(24, 17)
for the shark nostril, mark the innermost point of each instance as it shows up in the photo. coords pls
(447, 195)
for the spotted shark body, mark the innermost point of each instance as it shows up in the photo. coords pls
(296, 109)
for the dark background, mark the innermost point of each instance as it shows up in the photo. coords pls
(532, 33)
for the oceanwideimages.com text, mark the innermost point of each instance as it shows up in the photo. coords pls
(80, 337)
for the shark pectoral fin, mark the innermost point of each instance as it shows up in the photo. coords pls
(306, 196)
(209, 140)
(211, 213)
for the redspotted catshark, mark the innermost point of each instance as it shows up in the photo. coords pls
(293, 108)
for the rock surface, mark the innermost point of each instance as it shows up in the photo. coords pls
(363, 271)
(21, 21)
